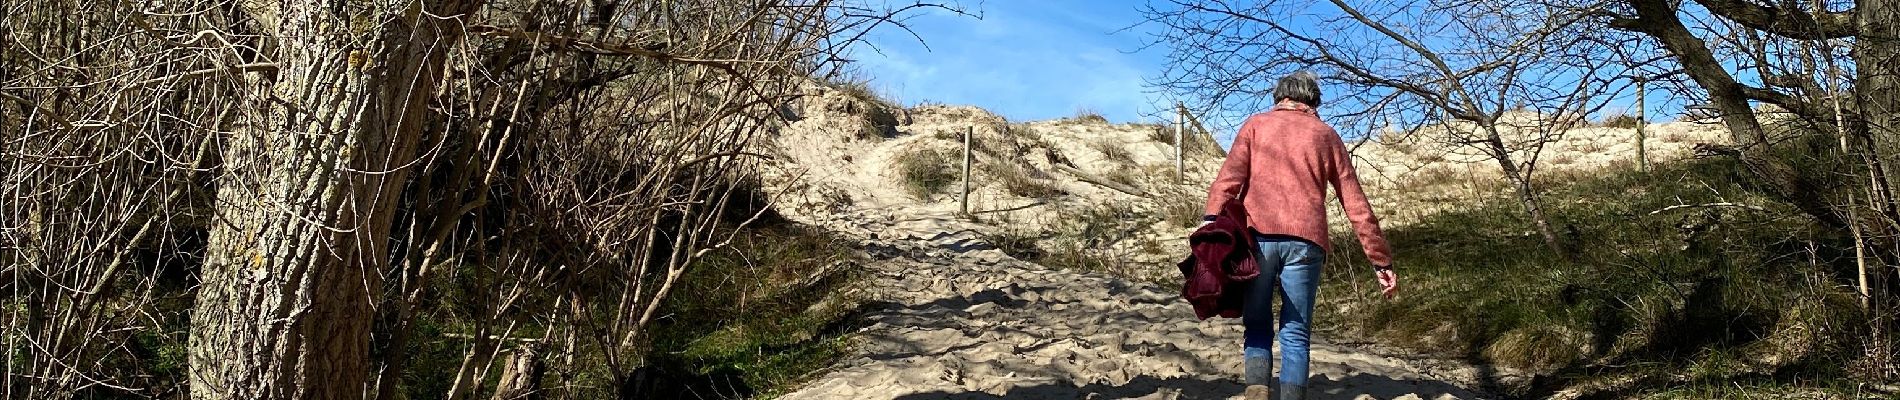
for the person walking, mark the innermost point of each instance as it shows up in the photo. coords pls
(1280, 164)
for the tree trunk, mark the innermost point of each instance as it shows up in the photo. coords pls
(521, 375)
(1526, 193)
(306, 199)
(1528, 196)
(1877, 91)
(1659, 20)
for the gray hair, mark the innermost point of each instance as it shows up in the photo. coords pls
(1301, 86)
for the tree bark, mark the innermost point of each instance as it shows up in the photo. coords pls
(1877, 91)
(1658, 19)
(307, 195)
(1877, 76)
(1526, 193)
(521, 375)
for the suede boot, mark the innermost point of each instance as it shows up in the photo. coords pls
(1258, 392)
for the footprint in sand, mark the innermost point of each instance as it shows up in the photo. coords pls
(970, 323)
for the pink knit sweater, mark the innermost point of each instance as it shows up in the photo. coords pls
(1282, 160)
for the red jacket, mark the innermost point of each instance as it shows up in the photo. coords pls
(1221, 265)
(1281, 163)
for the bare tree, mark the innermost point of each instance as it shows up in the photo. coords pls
(1788, 54)
(328, 169)
(1502, 79)
(103, 154)
(308, 193)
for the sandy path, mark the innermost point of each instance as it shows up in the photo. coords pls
(955, 319)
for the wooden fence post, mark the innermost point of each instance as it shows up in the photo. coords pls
(967, 134)
(1180, 141)
(1642, 119)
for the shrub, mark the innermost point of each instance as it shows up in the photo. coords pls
(1113, 151)
(1085, 114)
(1020, 132)
(1021, 244)
(1093, 237)
(927, 172)
(1022, 181)
(1159, 133)
(872, 130)
(952, 135)
(763, 309)
(1183, 208)
(1125, 176)
(1672, 296)
(1195, 141)
(1624, 121)
(860, 88)
(879, 119)
(1021, 140)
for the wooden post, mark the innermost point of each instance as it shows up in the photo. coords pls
(967, 134)
(1180, 141)
(1642, 120)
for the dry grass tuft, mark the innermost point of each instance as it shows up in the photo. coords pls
(1161, 134)
(1624, 121)
(1126, 176)
(1538, 347)
(880, 119)
(927, 172)
(1183, 207)
(1089, 115)
(1022, 181)
(1112, 150)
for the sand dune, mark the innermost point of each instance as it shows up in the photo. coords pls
(954, 319)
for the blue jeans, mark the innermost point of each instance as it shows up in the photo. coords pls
(1289, 268)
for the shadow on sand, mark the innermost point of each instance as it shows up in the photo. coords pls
(1321, 388)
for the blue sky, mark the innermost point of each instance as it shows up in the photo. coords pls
(1043, 59)
(1024, 59)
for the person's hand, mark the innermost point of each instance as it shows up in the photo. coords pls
(1388, 282)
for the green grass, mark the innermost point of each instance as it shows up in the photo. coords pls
(1754, 389)
(768, 310)
(1671, 292)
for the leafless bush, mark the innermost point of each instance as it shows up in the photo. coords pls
(1436, 64)
(1113, 151)
(102, 165)
(1624, 121)
(528, 173)
(1089, 115)
(1020, 180)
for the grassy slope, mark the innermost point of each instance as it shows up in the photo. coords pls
(752, 319)
(766, 311)
(1667, 303)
